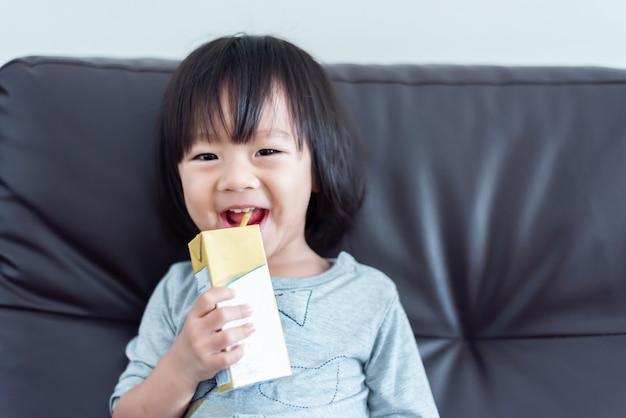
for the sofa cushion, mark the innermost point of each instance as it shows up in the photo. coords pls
(495, 202)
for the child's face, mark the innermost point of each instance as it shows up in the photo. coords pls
(268, 174)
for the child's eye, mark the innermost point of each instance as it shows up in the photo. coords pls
(207, 156)
(267, 151)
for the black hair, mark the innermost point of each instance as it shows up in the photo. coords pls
(248, 68)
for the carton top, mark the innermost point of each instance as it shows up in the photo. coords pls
(227, 253)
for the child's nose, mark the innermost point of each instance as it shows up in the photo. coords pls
(237, 177)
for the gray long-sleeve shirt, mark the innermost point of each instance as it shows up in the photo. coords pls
(350, 345)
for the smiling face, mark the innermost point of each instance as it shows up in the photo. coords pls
(268, 175)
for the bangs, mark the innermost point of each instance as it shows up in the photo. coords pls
(222, 105)
(231, 92)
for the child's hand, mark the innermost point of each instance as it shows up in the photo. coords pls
(199, 348)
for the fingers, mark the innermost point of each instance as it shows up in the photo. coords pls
(217, 318)
(230, 337)
(226, 359)
(208, 300)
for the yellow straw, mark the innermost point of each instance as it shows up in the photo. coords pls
(245, 219)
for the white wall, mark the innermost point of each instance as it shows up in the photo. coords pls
(550, 32)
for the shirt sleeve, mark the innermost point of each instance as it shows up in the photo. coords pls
(156, 335)
(395, 373)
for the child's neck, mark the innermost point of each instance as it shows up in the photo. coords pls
(297, 262)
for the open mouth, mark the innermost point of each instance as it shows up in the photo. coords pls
(233, 217)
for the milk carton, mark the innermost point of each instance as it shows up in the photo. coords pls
(235, 257)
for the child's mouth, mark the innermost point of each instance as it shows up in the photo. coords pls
(233, 217)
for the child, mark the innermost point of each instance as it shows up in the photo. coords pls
(252, 124)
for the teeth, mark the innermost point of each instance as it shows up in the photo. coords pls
(241, 210)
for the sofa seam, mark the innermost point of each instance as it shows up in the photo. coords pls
(485, 83)
(78, 63)
(85, 64)
(520, 337)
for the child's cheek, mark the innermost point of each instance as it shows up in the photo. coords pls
(203, 217)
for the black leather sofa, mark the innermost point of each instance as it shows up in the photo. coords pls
(496, 201)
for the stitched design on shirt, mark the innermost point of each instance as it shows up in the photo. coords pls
(300, 406)
(292, 315)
